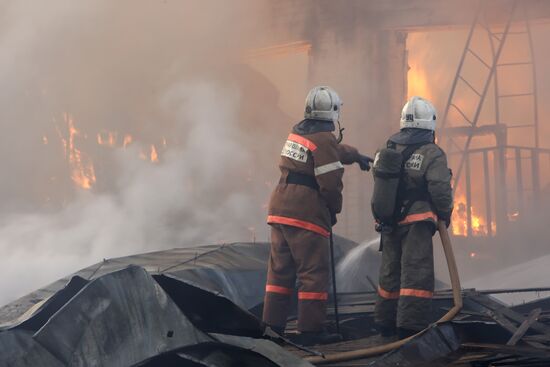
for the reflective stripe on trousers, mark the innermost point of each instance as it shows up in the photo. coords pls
(318, 296)
(278, 289)
(409, 292)
(420, 293)
(298, 223)
(387, 295)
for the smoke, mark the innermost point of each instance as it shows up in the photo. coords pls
(159, 71)
(184, 200)
(173, 71)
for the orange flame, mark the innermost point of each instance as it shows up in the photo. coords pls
(150, 155)
(459, 221)
(107, 138)
(154, 155)
(82, 168)
(127, 140)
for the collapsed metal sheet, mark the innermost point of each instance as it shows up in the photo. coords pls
(35, 318)
(209, 311)
(117, 320)
(433, 347)
(127, 318)
(240, 351)
(266, 348)
(19, 349)
(230, 351)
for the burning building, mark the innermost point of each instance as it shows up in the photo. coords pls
(129, 130)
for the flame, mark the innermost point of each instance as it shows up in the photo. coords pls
(459, 220)
(127, 140)
(45, 140)
(154, 155)
(151, 155)
(82, 168)
(107, 138)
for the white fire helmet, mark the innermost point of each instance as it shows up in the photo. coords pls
(418, 113)
(323, 103)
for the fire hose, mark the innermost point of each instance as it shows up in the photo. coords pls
(380, 349)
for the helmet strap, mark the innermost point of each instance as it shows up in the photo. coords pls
(340, 132)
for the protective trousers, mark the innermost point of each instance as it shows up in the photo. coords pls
(406, 280)
(297, 252)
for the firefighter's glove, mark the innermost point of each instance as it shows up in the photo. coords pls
(364, 162)
(445, 217)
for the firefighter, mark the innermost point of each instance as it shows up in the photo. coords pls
(406, 281)
(302, 211)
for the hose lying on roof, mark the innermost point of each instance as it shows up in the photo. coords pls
(380, 349)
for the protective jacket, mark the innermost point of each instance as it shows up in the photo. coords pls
(406, 281)
(309, 192)
(427, 179)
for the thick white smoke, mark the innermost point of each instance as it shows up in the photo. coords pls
(152, 69)
(183, 200)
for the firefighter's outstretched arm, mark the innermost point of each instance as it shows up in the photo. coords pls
(438, 176)
(350, 155)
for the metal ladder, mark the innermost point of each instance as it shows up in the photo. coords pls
(464, 127)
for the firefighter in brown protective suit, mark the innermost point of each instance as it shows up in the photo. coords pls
(406, 282)
(302, 211)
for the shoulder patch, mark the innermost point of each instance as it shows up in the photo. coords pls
(415, 162)
(295, 151)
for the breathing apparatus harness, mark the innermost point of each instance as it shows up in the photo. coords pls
(391, 188)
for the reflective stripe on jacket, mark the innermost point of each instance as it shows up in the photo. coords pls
(316, 155)
(427, 171)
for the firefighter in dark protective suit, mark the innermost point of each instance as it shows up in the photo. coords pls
(302, 211)
(424, 196)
